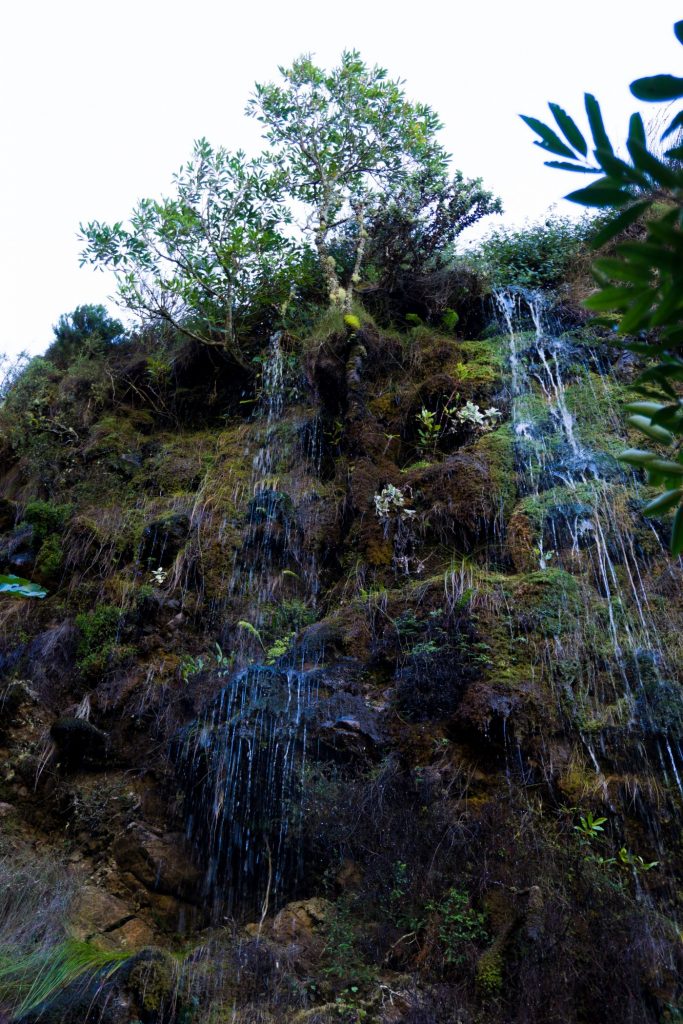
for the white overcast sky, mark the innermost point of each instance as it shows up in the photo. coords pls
(102, 99)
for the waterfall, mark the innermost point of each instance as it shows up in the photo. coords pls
(582, 507)
(241, 763)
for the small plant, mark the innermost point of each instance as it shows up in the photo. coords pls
(459, 925)
(471, 414)
(279, 648)
(449, 320)
(391, 502)
(428, 431)
(589, 827)
(191, 666)
(158, 576)
(252, 631)
(632, 860)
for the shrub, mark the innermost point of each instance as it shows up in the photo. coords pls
(46, 518)
(89, 330)
(98, 631)
(535, 256)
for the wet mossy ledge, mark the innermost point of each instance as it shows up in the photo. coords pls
(355, 694)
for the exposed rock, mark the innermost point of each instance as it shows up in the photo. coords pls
(345, 724)
(80, 744)
(163, 538)
(159, 862)
(14, 696)
(97, 912)
(300, 919)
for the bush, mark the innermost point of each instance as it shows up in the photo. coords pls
(89, 330)
(535, 256)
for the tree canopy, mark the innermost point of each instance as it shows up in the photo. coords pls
(193, 259)
(365, 161)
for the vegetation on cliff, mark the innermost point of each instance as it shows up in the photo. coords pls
(355, 690)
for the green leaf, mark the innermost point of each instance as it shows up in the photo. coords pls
(657, 88)
(678, 31)
(600, 193)
(596, 123)
(666, 467)
(636, 457)
(669, 416)
(563, 165)
(622, 270)
(676, 123)
(677, 533)
(644, 408)
(569, 129)
(636, 316)
(664, 502)
(609, 299)
(619, 223)
(643, 424)
(550, 141)
(646, 161)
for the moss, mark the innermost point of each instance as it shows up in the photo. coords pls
(489, 973)
(549, 598)
(154, 980)
(50, 561)
(46, 518)
(498, 450)
(477, 367)
(98, 633)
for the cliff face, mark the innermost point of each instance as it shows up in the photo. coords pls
(355, 694)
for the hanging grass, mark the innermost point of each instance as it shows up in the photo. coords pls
(28, 980)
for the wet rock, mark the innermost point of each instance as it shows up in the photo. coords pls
(159, 862)
(80, 744)
(163, 538)
(300, 919)
(13, 697)
(346, 725)
(94, 1002)
(152, 981)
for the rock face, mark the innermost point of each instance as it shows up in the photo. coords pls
(277, 746)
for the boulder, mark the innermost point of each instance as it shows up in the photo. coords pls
(80, 744)
(346, 725)
(159, 861)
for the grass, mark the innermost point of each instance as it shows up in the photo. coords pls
(30, 979)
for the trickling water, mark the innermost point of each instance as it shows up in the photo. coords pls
(241, 764)
(580, 526)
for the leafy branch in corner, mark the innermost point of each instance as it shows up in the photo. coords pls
(642, 281)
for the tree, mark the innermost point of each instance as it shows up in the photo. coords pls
(193, 260)
(347, 141)
(642, 282)
(414, 232)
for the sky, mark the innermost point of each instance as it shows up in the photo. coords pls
(101, 101)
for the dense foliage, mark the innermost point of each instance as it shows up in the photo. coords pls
(86, 331)
(535, 256)
(194, 260)
(216, 256)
